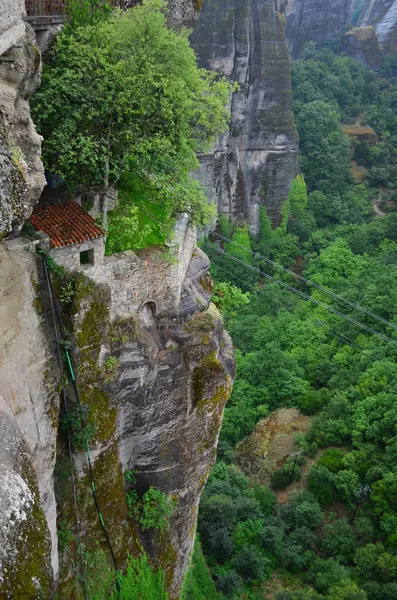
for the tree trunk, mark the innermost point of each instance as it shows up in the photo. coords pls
(105, 203)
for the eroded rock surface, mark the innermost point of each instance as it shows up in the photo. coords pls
(254, 162)
(28, 431)
(183, 12)
(160, 411)
(271, 442)
(315, 20)
(382, 14)
(319, 20)
(21, 169)
(362, 44)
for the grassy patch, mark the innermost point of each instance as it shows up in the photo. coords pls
(139, 221)
(198, 583)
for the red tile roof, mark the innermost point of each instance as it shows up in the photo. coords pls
(66, 224)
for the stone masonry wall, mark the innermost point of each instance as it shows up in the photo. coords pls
(151, 277)
(69, 256)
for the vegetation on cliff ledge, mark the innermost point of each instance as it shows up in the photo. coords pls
(123, 103)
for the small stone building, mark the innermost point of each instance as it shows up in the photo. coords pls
(76, 242)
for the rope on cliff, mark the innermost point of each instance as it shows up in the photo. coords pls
(69, 443)
(57, 324)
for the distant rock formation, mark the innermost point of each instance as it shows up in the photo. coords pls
(254, 163)
(382, 14)
(318, 20)
(362, 44)
(315, 20)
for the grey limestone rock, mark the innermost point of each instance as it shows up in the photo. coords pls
(315, 20)
(318, 20)
(254, 162)
(161, 412)
(362, 44)
(21, 171)
(382, 14)
(183, 12)
(28, 432)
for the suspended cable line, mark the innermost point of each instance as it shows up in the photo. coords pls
(298, 292)
(69, 443)
(344, 339)
(311, 283)
(306, 297)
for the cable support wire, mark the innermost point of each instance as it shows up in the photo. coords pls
(311, 283)
(69, 443)
(57, 320)
(344, 339)
(308, 298)
(302, 294)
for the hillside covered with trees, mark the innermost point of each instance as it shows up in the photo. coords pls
(311, 308)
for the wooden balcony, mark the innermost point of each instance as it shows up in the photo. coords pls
(42, 14)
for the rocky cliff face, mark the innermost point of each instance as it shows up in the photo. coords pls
(382, 15)
(254, 162)
(161, 411)
(28, 432)
(183, 12)
(315, 20)
(362, 44)
(21, 170)
(319, 20)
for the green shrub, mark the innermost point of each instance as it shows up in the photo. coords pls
(320, 483)
(252, 565)
(80, 430)
(141, 581)
(313, 401)
(332, 459)
(282, 478)
(198, 583)
(155, 509)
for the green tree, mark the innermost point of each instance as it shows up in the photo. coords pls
(346, 590)
(123, 94)
(227, 297)
(339, 540)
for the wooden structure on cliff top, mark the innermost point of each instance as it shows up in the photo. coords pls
(41, 13)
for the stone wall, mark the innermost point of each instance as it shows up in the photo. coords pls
(153, 276)
(69, 256)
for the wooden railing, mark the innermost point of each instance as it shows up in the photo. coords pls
(45, 8)
(57, 8)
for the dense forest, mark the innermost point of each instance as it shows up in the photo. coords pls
(311, 308)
